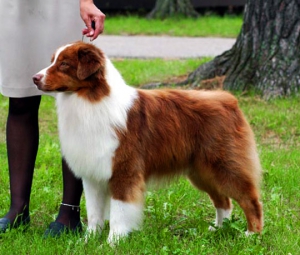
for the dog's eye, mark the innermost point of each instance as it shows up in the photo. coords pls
(63, 64)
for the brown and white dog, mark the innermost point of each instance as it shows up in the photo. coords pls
(116, 138)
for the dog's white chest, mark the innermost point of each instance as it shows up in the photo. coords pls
(88, 138)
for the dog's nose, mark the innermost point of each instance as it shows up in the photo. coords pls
(37, 78)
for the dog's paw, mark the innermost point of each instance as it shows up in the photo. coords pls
(113, 240)
(211, 228)
(87, 236)
(249, 233)
(91, 232)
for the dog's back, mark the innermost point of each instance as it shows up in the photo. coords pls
(176, 130)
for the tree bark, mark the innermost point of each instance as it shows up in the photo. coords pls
(169, 8)
(266, 55)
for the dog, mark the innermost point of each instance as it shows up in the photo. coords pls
(117, 138)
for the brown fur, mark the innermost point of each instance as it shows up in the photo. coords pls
(202, 135)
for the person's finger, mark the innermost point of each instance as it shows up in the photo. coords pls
(89, 29)
(98, 29)
(85, 31)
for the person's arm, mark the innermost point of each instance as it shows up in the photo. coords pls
(90, 13)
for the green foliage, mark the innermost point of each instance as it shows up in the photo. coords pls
(206, 26)
(177, 217)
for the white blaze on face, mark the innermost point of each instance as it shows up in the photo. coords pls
(59, 50)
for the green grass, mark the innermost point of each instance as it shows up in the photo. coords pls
(206, 26)
(173, 68)
(177, 217)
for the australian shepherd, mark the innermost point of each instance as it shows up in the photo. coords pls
(117, 138)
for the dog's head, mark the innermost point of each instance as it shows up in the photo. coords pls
(78, 67)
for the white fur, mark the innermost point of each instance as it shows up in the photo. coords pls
(124, 218)
(221, 214)
(87, 130)
(249, 233)
(97, 201)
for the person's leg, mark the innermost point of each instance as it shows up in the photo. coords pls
(69, 212)
(22, 136)
(68, 218)
(22, 145)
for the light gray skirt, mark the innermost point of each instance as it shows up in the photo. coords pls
(30, 32)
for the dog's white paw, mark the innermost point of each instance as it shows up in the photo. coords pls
(249, 233)
(88, 234)
(114, 239)
(91, 232)
(86, 238)
(211, 228)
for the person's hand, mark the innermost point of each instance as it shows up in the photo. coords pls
(91, 14)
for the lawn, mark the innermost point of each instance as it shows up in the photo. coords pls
(205, 25)
(177, 217)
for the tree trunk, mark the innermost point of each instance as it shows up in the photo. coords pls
(169, 8)
(266, 55)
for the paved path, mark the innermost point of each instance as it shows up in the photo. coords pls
(162, 46)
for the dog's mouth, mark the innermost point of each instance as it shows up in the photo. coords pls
(62, 89)
(40, 86)
(47, 88)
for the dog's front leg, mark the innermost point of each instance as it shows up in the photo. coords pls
(127, 187)
(124, 217)
(96, 194)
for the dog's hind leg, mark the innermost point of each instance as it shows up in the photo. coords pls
(242, 186)
(240, 181)
(252, 207)
(221, 203)
(247, 197)
(96, 194)
(223, 208)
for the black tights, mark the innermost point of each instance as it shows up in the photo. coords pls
(22, 132)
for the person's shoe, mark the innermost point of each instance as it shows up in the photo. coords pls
(56, 229)
(6, 225)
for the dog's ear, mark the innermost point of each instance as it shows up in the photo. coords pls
(89, 62)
